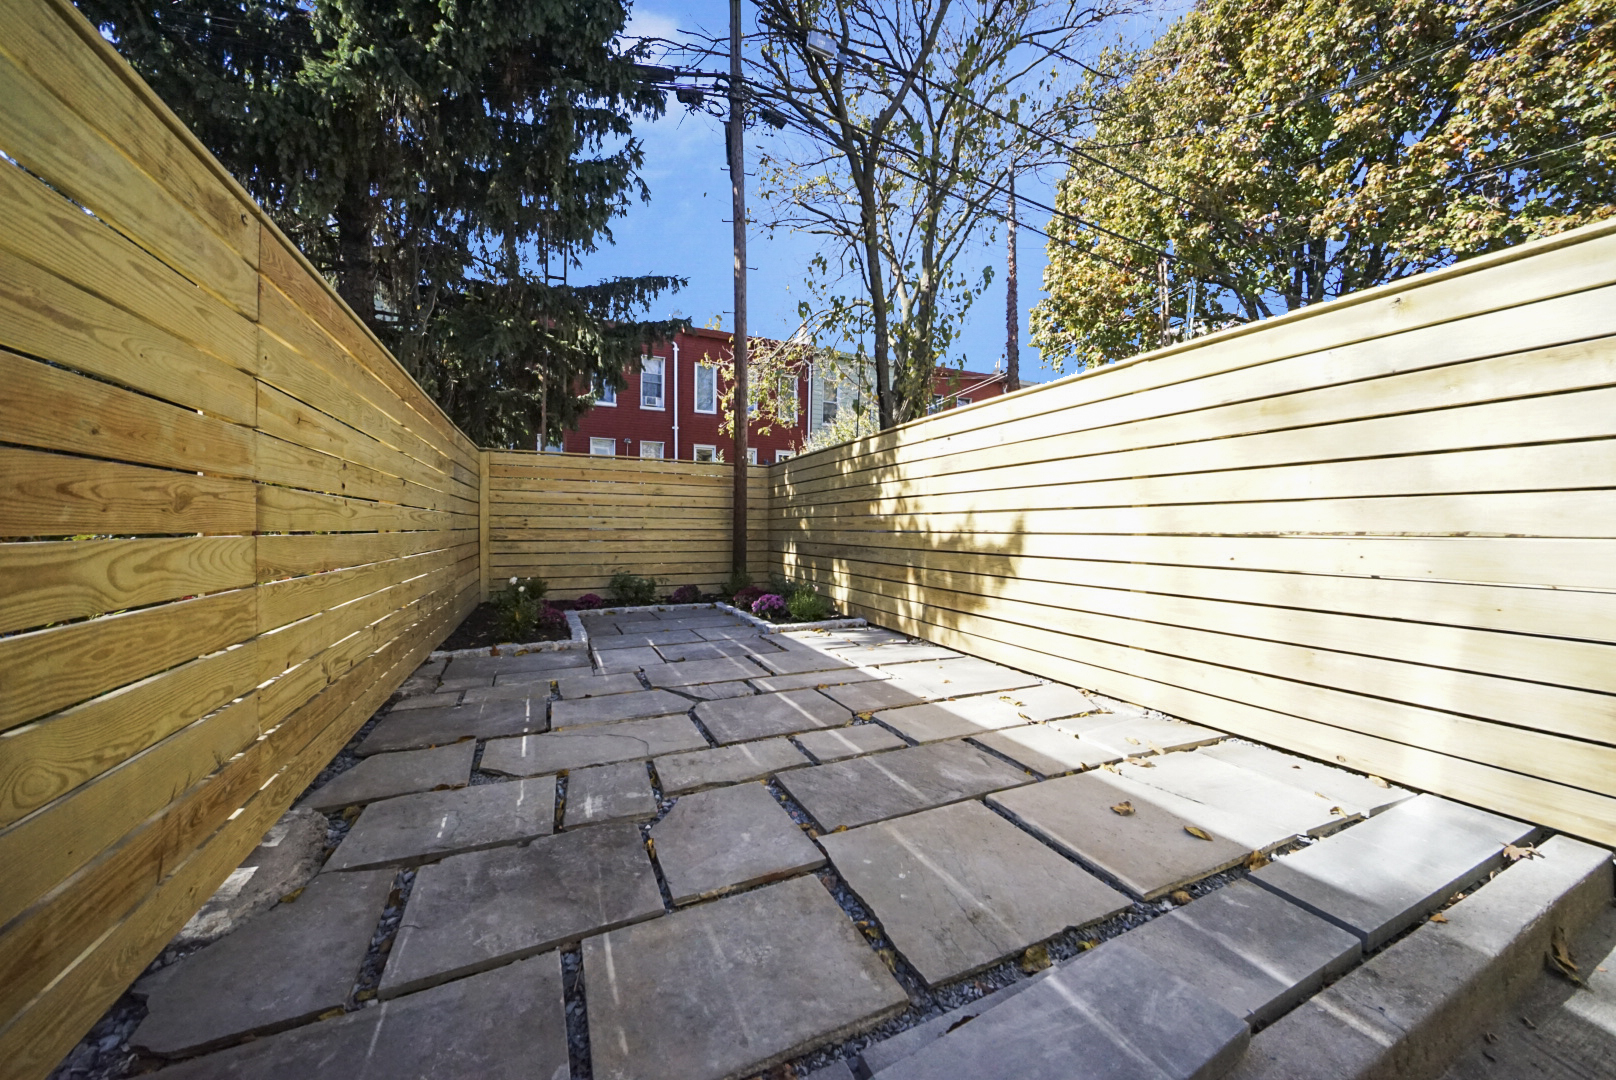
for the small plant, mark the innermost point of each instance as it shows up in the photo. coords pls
(769, 606)
(587, 602)
(743, 597)
(806, 605)
(553, 622)
(520, 606)
(631, 589)
(738, 580)
(684, 594)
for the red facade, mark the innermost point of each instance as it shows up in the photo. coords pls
(671, 418)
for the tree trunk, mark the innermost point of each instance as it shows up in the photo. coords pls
(1164, 299)
(1012, 304)
(737, 187)
(884, 403)
(356, 257)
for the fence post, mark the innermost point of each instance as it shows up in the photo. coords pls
(482, 524)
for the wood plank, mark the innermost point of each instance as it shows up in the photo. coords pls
(51, 582)
(54, 409)
(47, 495)
(288, 601)
(46, 670)
(482, 526)
(285, 510)
(289, 465)
(39, 131)
(46, 759)
(45, 316)
(288, 556)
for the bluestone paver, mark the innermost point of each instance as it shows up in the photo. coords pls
(531, 663)
(440, 727)
(1116, 1011)
(895, 652)
(735, 632)
(640, 641)
(1338, 785)
(627, 660)
(460, 683)
(1046, 749)
(383, 776)
(728, 838)
(1382, 875)
(427, 700)
(960, 888)
(682, 773)
(1148, 851)
(291, 963)
(761, 716)
(893, 1048)
(716, 691)
(615, 707)
(865, 789)
(728, 988)
(799, 659)
(959, 678)
(505, 1024)
(1135, 736)
(417, 828)
(870, 697)
(692, 672)
(845, 742)
(936, 720)
(1229, 787)
(520, 690)
(1249, 950)
(630, 740)
(472, 912)
(603, 793)
(573, 687)
(817, 680)
(702, 650)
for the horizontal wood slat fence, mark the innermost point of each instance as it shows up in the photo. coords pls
(1379, 532)
(575, 520)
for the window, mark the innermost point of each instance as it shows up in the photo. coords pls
(961, 402)
(784, 455)
(605, 392)
(706, 389)
(649, 449)
(705, 453)
(751, 455)
(603, 447)
(651, 382)
(830, 398)
(788, 399)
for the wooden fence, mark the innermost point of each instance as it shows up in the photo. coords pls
(233, 524)
(1381, 531)
(575, 520)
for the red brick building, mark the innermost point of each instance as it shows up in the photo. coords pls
(669, 408)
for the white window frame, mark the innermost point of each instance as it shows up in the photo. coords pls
(961, 402)
(830, 401)
(661, 449)
(700, 448)
(784, 455)
(711, 372)
(605, 393)
(599, 447)
(791, 417)
(661, 400)
(751, 455)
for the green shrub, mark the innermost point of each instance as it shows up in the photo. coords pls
(520, 606)
(806, 605)
(631, 589)
(738, 580)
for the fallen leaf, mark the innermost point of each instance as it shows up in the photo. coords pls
(1141, 762)
(365, 995)
(1490, 1037)
(1257, 860)
(1158, 750)
(1377, 781)
(948, 680)
(1179, 896)
(1439, 917)
(1525, 851)
(650, 847)
(1130, 740)
(1560, 958)
(1007, 697)
(1197, 832)
(840, 828)
(291, 897)
(330, 1014)
(1528, 1023)
(1337, 811)
(820, 686)
(1321, 794)
(1035, 959)
(1123, 809)
(1085, 945)
(889, 958)
(1111, 767)
(864, 716)
(1025, 717)
(350, 813)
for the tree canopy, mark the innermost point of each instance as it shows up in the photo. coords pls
(1263, 155)
(445, 162)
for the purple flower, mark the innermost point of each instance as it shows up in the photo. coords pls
(769, 606)
(587, 601)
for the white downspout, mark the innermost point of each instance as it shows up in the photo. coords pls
(676, 400)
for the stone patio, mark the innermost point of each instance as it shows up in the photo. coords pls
(695, 851)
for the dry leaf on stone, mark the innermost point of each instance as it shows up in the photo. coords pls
(1110, 767)
(1179, 896)
(330, 1014)
(1337, 811)
(1257, 860)
(1197, 832)
(1158, 751)
(349, 813)
(1035, 959)
(1025, 717)
(865, 716)
(1560, 958)
(291, 897)
(889, 958)
(1130, 740)
(1439, 917)
(1524, 851)
(1141, 762)
(1377, 781)
(1123, 809)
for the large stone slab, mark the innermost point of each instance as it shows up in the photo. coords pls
(640, 641)
(472, 912)
(414, 829)
(461, 683)
(1341, 787)
(798, 659)
(602, 793)
(817, 680)
(615, 707)
(630, 740)
(692, 672)
(959, 888)
(386, 775)
(291, 963)
(938, 720)
(1229, 789)
(1381, 876)
(573, 687)
(1113, 1013)
(734, 632)
(440, 727)
(845, 742)
(758, 717)
(287, 857)
(1046, 749)
(1136, 736)
(1247, 949)
(871, 697)
(627, 660)
(729, 988)
(959, 678)
(506, 1024)
(716, 691)
(560, 660)
(1148, 851)
(901, 651)
(512, 691)
(427, 700)
(729, 838)
(683, 773)
(865, 789)
(703, 650)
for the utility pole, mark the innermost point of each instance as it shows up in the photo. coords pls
(1164, 299)
(737, 187)
(1012, 313)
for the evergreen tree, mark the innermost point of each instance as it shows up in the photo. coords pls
(445, 163)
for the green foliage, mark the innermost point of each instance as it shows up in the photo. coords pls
(737, 580)
(631, 589)
(521, 608)
(807, 605)
(444, 161)
(1286, 153)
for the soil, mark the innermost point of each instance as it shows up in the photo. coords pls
(480, 630)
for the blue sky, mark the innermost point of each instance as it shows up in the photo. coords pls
(684, 230)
